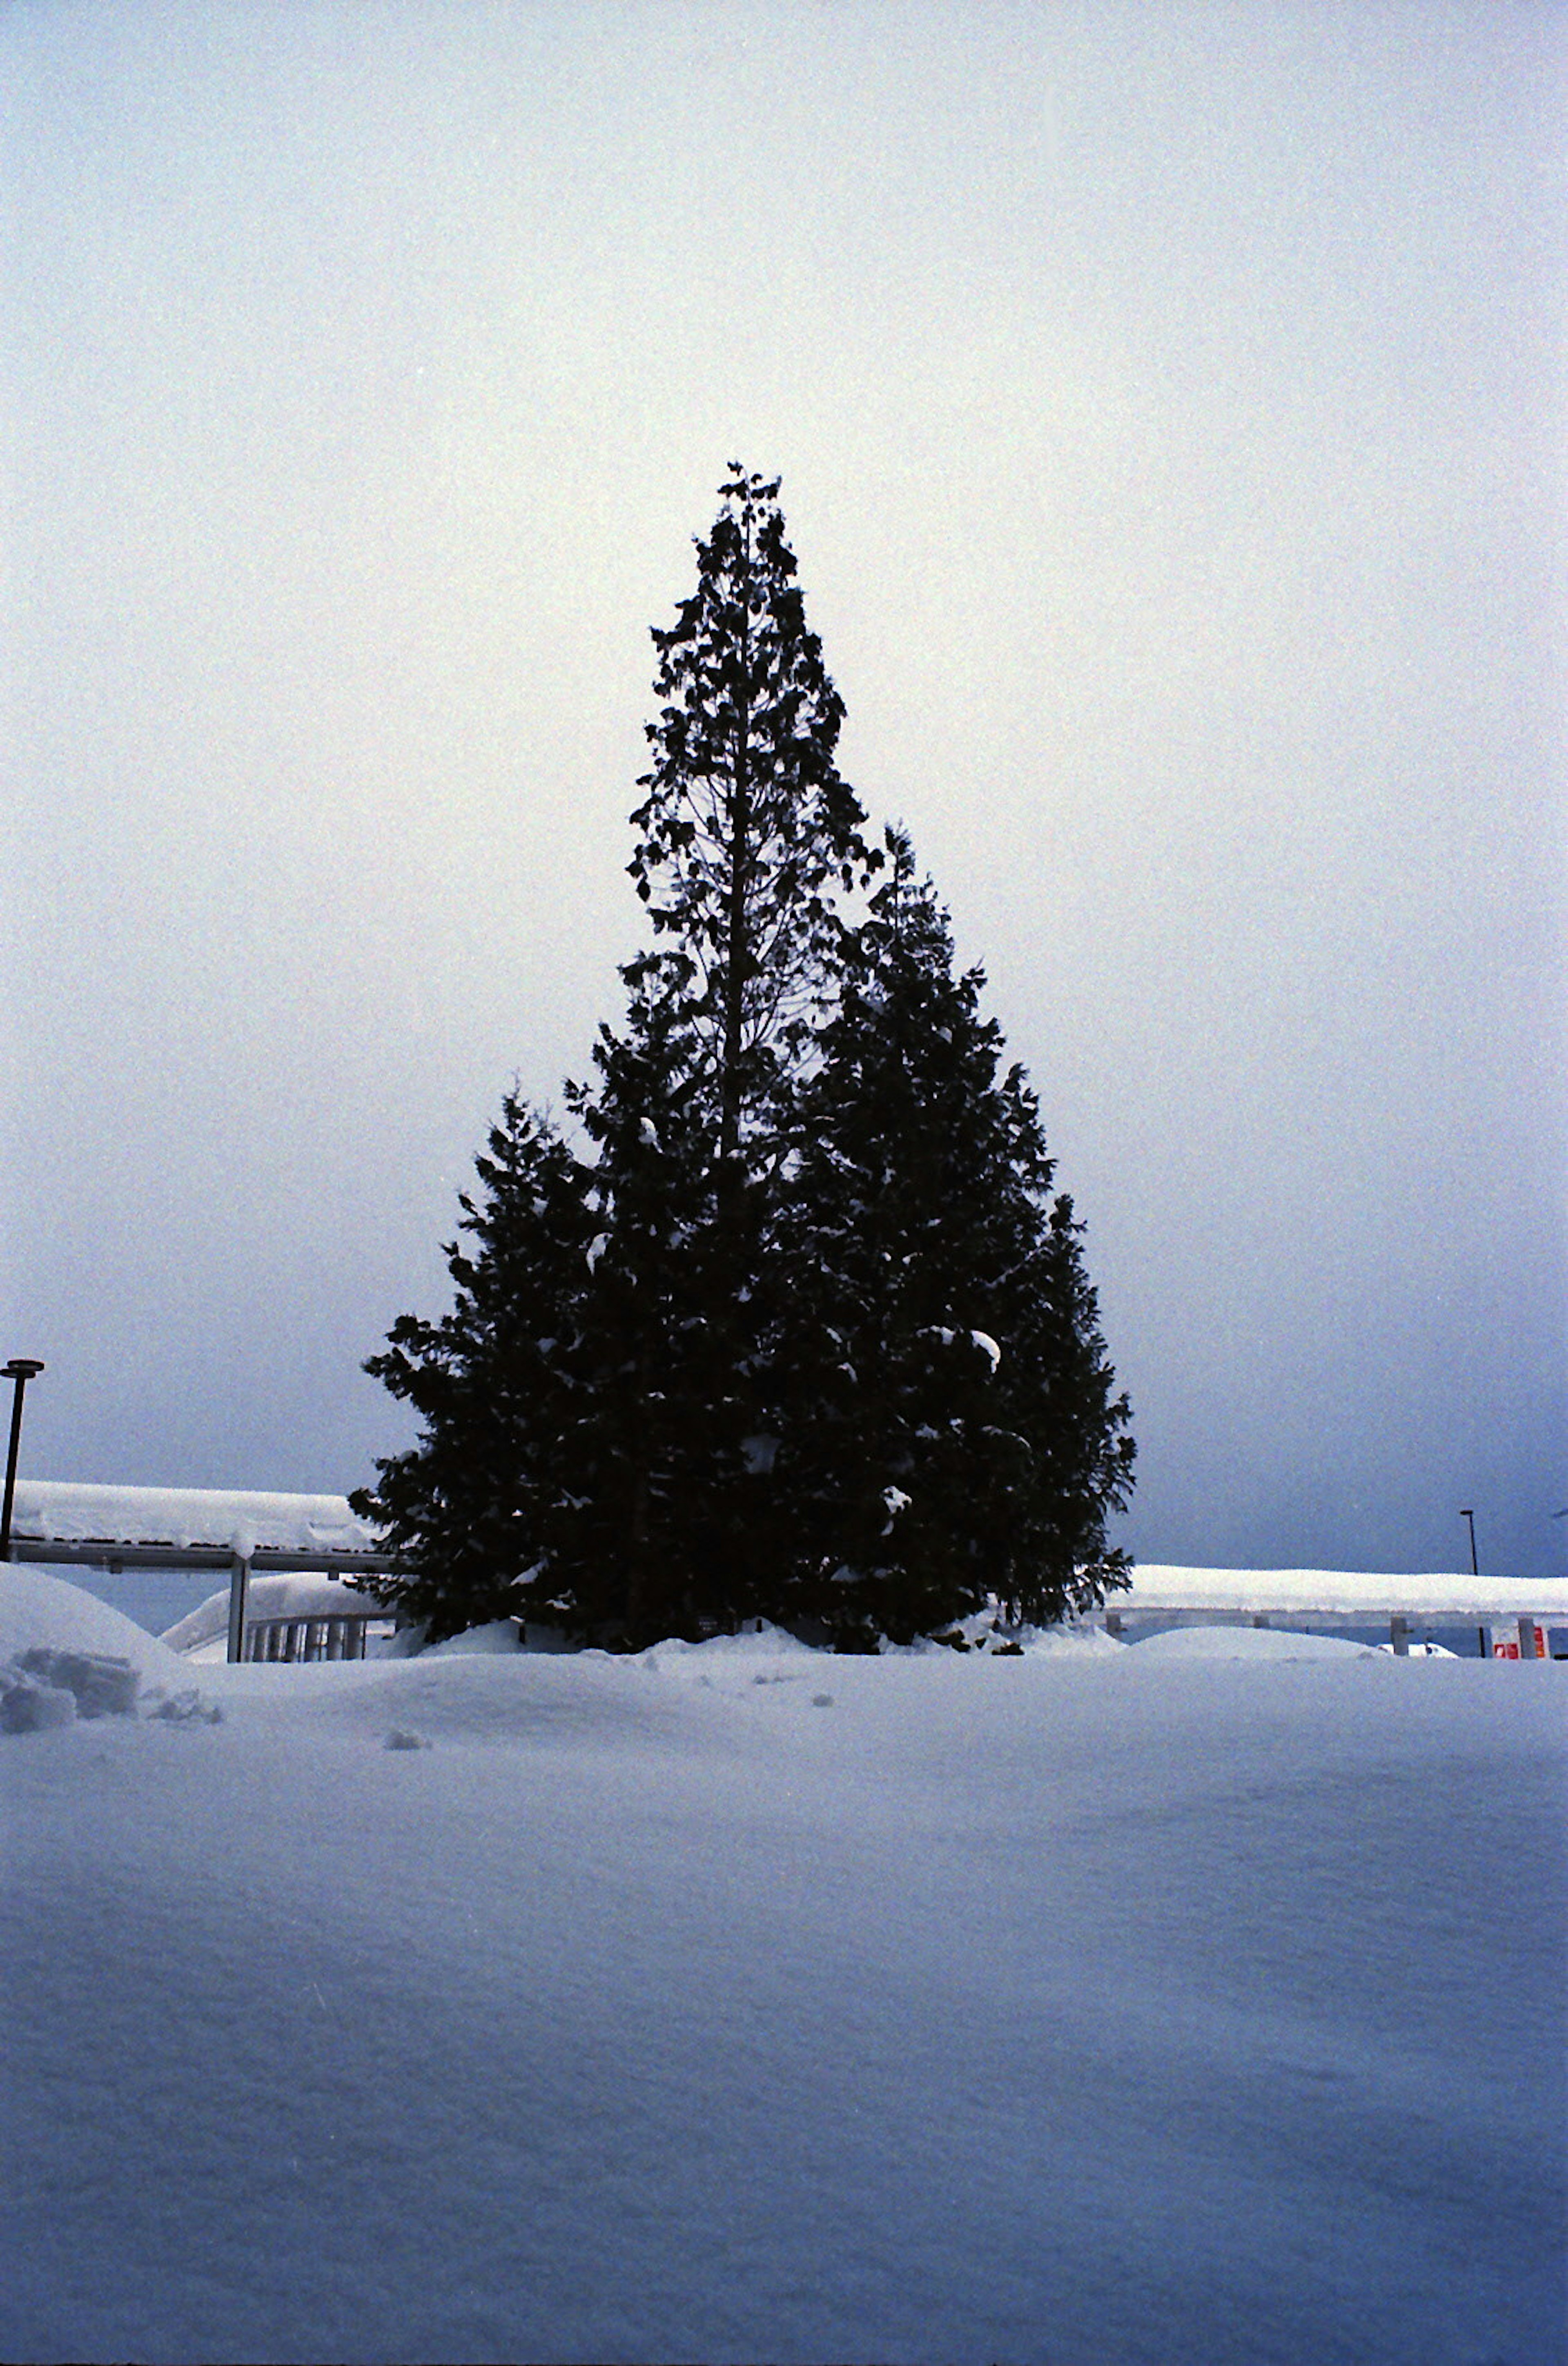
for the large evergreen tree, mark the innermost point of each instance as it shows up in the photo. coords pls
(952, 1431)
(802, 1332)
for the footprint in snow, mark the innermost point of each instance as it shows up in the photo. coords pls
(821, 1700)
(398, 1739)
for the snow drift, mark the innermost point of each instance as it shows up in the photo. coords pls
(737, 2002)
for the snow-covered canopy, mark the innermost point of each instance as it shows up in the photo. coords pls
(1337, 1593)
(231, 1519)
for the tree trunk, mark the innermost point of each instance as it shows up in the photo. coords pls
(739, 865)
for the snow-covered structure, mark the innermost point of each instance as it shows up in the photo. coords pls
(225, 1519)
(287, 1557)
(1164, 1596)
(1339, 1594)
(287, 1617)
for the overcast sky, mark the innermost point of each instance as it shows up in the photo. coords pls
(1168, 403)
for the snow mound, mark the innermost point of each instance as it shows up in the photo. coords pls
(65, 1655)
(41, 1613)
(766, 1642)
(583, 1701)
(1275, 1643)
(501, 1634)
(1072, 1642)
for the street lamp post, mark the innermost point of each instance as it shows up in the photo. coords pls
(1465, 1513)
(21, 1370)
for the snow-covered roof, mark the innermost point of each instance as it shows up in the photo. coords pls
(1347, 1593)
(233, 1519)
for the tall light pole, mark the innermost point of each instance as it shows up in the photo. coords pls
(21, 1370)
(1465, 1513)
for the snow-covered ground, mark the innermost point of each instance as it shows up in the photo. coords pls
(1100, 2005)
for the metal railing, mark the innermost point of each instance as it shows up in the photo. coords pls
(337, 1636)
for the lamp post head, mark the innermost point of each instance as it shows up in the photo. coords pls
(21, 1367)
(1465, 1512)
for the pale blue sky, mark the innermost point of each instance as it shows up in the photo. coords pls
(1168, 405)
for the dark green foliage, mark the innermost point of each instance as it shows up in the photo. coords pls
(474, 1510)
(748, 837)
(746, 829)
(803, 1333)
(670, 1528)
(953, 1433)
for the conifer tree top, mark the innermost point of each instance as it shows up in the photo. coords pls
(746, 832)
